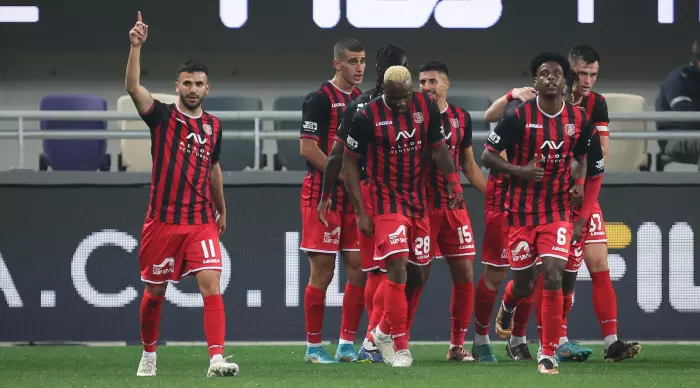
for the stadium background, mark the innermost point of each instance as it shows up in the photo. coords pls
(52, 280)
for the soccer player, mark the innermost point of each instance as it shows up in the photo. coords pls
(388, 55)
(186, 212)
(394, 133)
(585, 62)
(321, 115)
(450, 229)
(546, 140)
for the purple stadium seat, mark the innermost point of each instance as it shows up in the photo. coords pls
(74, 155)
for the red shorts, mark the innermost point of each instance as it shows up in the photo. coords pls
(339, 235)
(526, 243)
(399, 236)
(596, 231)
(170, 252)
(451, 234)
(493, 247)
(367, 243)
(593, 234)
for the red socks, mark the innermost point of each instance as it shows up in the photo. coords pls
(412, 298)
(484, 300)
(604, 302)
(353, 307)
(396, 313)
(568, 299)
(377, 309)
(214, 324)
(373, 281)
(522, 314)
(461, 311)
(149, 315)
(314, 303)
(552, 307)
(509, 300)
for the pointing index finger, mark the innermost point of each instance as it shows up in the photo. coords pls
(139, 18)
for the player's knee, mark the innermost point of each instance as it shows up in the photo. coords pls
(494, 276)
(209, 282)
(156, 289)
(462, 271)
(396, 269)
(552, 278)
(596, 258)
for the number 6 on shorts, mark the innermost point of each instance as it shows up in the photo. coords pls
(561, 236)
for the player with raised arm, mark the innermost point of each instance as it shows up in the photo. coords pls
(186, 212)
(322, 113)
(550, 132)
(585, 62)
(394, 132)
(388, 55)
(450, 229)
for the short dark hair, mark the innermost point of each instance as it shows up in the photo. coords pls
(585, 53)
(550, 57)
(190, 66)
(387, 56)
(434, 66)
(350, 44)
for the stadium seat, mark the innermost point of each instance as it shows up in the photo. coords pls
(473, 103)
(236, 155)
(288, 150)
(136, 153)
(625, 155)
(74, 155)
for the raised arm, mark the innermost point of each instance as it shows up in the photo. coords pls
(141, 97)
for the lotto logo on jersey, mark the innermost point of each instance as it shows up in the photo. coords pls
(494, 138)
(310, 126)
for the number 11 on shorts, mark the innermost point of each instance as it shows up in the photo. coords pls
(208, 251)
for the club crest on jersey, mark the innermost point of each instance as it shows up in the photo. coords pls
(454, 122)
(570, 129)
(207, 129)
(418, 117)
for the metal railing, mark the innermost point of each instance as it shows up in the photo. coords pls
(257, 134)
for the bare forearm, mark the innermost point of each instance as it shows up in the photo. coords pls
(474, 175)
(495, 111)
(141, 97)
(578, 168)
(443, 160)
(497, 163)
(310, 151)
(604, 140)
(216, 185)
(352, 183)
(333, 167)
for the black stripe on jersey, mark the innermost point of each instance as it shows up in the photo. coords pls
(172, 162)
(386, 149)
(504, 193)
(160, 143)
(532, 150)
(197, 172)
(549, 195)
(571, 118)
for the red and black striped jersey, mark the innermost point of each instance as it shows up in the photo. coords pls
(322, 113)
(495, 194)
(529, 133)
(457, 124)
(183, 148)
(596, 109)
(396, 150)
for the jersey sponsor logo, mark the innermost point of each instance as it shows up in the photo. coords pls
(399, 236)
(521, 251)
(197, 138)
(405, 134)
(332, 237)
(560, 249)
(531, 125)
(551, 144)
(352, 143)
(338, 104)
(165, 267)
(570, 129)
(310, 126)
(418, 117)
(600, 164)
(382, 123)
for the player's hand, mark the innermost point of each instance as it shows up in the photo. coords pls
(322, 209)
(524, 94)
(365, 224)
(456, 195)
(579, 223)
(532, 171)
(576, 193)
(138, 34)
(220, 223)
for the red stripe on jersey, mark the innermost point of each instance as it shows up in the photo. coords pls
(454, 121)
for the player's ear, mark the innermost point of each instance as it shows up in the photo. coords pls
(447, 83)
(336, 64)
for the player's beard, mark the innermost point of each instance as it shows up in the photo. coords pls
(189, 105)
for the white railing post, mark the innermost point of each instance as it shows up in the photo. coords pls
(256, 140)
(20, 142)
